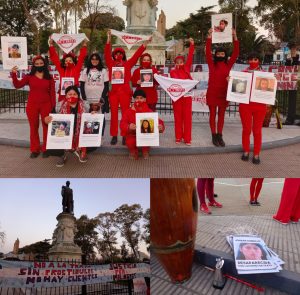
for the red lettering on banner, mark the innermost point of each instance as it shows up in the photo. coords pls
(176, 90)
(294, 77)
(66, 41)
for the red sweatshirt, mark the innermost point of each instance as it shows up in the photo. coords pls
(151, 92)
(128, 65)
(41, 90)
(68, 72)
(129, 117)
(218, 72)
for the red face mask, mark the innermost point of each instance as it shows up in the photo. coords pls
(118, 57)
(72, 99)
(69, 65)
(180, 67)
(254, 64)
(146, 64)
(139, 105)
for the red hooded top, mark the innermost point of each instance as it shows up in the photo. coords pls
(68, 72)
(129, 117)
(127, 64)
(40, 90)
(184, 73)
(218, 73)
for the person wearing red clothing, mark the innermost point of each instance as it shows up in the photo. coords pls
(219, 67)
(69, 66)
(151, 92)
(289, 208)
(41, 100)
(255, 188)
(128, 127)
(183, 106)
(252, 117)
(206, 185)
(120, 94)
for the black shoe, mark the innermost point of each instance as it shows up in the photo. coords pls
(245, 157)
(252, 203)
(256, 160)
(215, 195)
(114, 140)
(215, 140)
(220, 140)
(34, 155)
(257, 203)
(45, 155)
(124, 140)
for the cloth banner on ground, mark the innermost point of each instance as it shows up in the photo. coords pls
(129, 39)
(14, 52)
(176, 88)
(20, 274)
(67, 42)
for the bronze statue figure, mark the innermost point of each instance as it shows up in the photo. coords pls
(67, 198)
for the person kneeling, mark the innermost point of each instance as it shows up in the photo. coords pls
(128, 127)
(72, 104)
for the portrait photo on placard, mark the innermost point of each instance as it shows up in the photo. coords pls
(239, 86)
(147, 125)
(265, 84)
(14, 50)
(147, 77)
(91, 127)
(60, 128)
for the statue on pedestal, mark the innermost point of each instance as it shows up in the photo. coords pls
(67, 198)
(16, 246)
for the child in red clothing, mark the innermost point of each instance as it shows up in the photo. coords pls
(252, 117)
(69, 66)
(183, 106)
(128, 127)
(219, 68)
(120, 94)
(151, 92)
(41, 100)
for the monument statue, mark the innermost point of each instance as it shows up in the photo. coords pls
(67, 198)
(16, 246)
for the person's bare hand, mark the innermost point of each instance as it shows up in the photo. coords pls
(50, 41)
(148, 41)
(85, 41)
(234, 34)
(139, 82)
(48, 119)
(108, 35)
(210, 31)
(132, 126)
(192, 42)
(14, 69)
(160, 128)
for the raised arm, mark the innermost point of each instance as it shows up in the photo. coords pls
(236, 49)
(208, 54)
(54, 56)
(52, 93)
(189, 60)
(82, 55)
(16, 82)
(133, 60)
(107, 51)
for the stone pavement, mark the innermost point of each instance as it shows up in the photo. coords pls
(236, 213)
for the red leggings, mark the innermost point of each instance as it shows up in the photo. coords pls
(131, 144)
(183, 118)
(205, 185)
(117, 98)
(212, 118)
(289, 208)
(34, 111)
(255, 188)
(252, 117)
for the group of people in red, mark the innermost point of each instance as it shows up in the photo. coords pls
(94, 81)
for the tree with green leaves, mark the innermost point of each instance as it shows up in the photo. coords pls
(124, 252)
(127, 221)
(146, 233)
(281, 17)
(86, 236)
(38, 250)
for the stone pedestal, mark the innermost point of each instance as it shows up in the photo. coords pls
(64, 247)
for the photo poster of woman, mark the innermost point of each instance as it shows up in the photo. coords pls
(239, 87)
(251, 256)
(117, 75)
(60, 132)
(264, 87)
(91, 130)
(147, 133)
(65, 83)
(146, 78)
(14, 52)
(222, 28)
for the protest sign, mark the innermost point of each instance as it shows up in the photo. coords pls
(147, 133)
(146, 78)
(129, 39)
(239, 87)
(60, 131)
(222, 28)
(14, 52)
(91, 130)
(117, 75)
(67, 42)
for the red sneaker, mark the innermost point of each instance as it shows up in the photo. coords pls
(284, 222)
(215, 204)
(204, 209)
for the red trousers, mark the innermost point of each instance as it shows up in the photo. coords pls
(131, 144)
(183, 118)
(252, 117)
(255, 188)
(289, 208)
(117, 98)
(205, 185)
(212, 118)
(34, 111)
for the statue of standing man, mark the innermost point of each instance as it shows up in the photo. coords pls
(67, 198)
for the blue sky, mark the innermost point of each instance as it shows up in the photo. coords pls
(29, 207)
